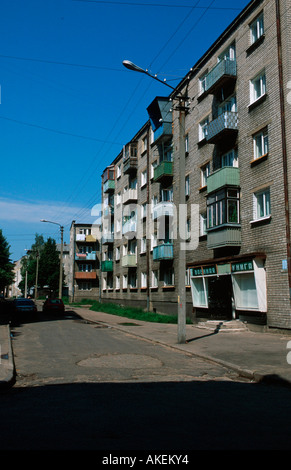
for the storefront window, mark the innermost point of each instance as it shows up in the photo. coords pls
(200, 292)
(245, 291)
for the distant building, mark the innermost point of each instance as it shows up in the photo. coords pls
(84, 261)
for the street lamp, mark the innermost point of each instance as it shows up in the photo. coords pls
(61, 255)
(182, 200)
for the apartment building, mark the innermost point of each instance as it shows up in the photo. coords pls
(84, 267)
(236, 117)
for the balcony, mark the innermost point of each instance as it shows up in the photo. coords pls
(225, 236)
(108, 186)
(80, 237)
(108, 211)
(86, 276)
(220, 75)
(85, 256)
(163, 252)
(163, 171)
(129, 165)
(222, 127)
(227, 176)
(163, 132)
(163, 209)
(107, 266)
(129, 261)
(129, 227)
(107, 238)
(130, 196)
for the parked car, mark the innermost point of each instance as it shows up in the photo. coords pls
(53, 305)
(23, 306)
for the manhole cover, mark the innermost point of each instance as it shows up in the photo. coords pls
(124, 361)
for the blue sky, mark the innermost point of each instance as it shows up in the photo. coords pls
(68, 105)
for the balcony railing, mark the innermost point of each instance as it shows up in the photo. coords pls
(129, 261)
(227, 176)
(129, 227)
(107, 266)
(129, 196)
(108, 186)
(225, 124)
(163, 170)
(223, 237)
(86, 275)
(85, 256)
(107, 238)
(224, 71)
(163, 252)
(163, 209)
(130, 165)
(164, 131)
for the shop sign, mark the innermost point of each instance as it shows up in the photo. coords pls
(242, 266)
(208, 270)
(196, 271)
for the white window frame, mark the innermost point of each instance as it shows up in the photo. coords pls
(258, 87)
(118, 171)
(143, 178)
(205, 172)
(153, 166)
(155, 278)
(260, 143)
(117, 282)
(229, 159)
(143, 245)
(143, 279)
(124, 281)
(257, 28)
(203, 224)
(187, 185)
(117, 253)
(262, 199)
(202, 129)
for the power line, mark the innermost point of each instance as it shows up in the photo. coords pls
(163, 5)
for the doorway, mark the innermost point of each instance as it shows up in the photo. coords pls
(220, 296)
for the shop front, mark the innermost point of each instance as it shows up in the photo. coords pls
(229, 289)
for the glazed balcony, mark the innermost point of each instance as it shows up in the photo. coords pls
(163, 252)
(220, 75)
(129, 261)
(227, 176)
(107, 238)
(163, 171)
(222, 127)
(107, 266)
(163, 132)
(129, 227)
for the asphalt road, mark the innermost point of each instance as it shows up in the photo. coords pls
(83, 387)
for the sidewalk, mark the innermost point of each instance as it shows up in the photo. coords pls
(254, 355)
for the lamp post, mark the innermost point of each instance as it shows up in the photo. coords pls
(182, 200)
(61, 255)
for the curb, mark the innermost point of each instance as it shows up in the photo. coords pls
(9, 366)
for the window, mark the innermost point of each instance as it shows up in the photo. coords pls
(144, 144)
(203, 129)
(262, 204)
(153, 166)
(143, 245)
(143, 280)
(187, 143)
(85, 286)
(154, 240)
(245, 291)
(257, 28)
(205, 172)
(203, 225)
(169, 277)
(167, 195)
(124, 250)
(144, 210)
(258, 87)
(144, 177)
(200, 291)
(117, 282)
(132, 280)
(187, 186)
(85, 268)
(118, 198)
(202, 83)
(155, 278)
(118, 171)
(117, 253)
(228, 53)
(124, 281)
(229, 159)
(228, 105)
(223, 208)
(261, 144)
(118, 225)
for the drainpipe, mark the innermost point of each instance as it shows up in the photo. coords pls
(284, 143)
(148, 215)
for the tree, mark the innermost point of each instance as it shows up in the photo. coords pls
(49, 265)
(6, 266)
(29, 263)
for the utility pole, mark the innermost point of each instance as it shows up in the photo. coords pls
(61, 263)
